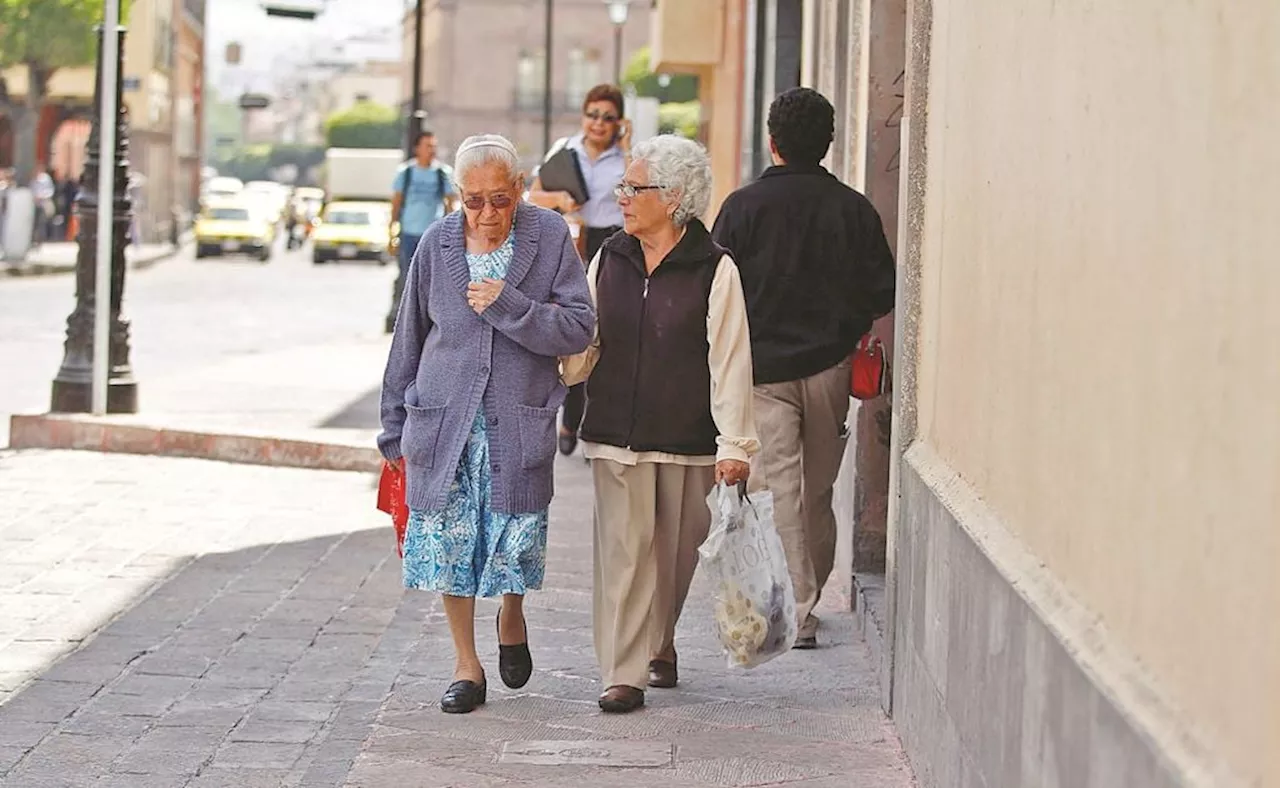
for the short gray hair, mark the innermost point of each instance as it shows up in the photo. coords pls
(483, 149)
(682, 168)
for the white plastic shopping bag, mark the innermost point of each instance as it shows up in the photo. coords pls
(755, 605)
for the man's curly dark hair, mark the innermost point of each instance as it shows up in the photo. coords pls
(802, 124)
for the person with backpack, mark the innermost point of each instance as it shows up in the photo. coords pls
(422, 192)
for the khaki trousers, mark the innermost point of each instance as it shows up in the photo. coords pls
(802, 439)
(650, 519)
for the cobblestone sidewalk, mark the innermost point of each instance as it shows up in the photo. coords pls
(176, 623)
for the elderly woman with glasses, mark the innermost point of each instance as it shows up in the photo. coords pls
(669, 409)
(495, 293)
(603, 150)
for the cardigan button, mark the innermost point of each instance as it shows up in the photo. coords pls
(484, 370)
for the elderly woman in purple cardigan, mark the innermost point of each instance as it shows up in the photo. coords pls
(495, 293)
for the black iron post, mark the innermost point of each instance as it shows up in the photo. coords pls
(415, 102)
(415, 125)
(547, 59)
(73, 385)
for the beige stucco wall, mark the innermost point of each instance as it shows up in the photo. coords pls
(1100, 324)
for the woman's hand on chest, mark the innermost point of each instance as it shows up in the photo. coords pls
(482, 294)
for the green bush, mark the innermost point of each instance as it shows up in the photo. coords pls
(366, 125)
(680, 88)
(682, 118)
(261, 162)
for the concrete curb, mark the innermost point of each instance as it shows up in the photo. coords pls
(49, 269)
(59, 431)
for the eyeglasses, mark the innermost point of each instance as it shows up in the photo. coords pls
(498, 201)
(605, 116)
(630, 191)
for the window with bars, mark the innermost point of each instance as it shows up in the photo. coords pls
(529, 75)
(583, 74)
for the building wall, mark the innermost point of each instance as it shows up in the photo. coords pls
(463, 100)
(149, 74)
(376, 82)
(188, 105)
(1088, 523)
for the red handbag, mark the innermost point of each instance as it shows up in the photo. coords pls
(869, 377)
(391, 499)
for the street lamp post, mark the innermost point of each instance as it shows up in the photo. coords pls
(73, 385)
(547, 61)
(618, 11)
(415, 102)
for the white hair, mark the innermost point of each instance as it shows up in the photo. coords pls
(682, 169)
(484, 149)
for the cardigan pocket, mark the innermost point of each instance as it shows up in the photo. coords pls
(421, 434)
(537, 436)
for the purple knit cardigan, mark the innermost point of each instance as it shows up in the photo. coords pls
(446, 362)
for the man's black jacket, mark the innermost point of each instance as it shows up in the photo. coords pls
(816, 268)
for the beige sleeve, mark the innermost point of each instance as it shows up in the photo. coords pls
(732, 378)
(577, 368)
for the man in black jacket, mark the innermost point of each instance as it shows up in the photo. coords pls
(816, 271)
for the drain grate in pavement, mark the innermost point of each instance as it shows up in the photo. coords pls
(616, 753)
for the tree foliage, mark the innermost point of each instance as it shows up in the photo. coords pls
(366, 125)
(681, 118)
(679, 88)
(271, 162)
(40, 37)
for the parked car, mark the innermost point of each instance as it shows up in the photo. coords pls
(234, 226)
(351, 231)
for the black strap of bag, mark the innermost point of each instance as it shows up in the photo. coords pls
(441, 184)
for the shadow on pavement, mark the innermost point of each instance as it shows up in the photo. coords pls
(240, 667)
(361, 414)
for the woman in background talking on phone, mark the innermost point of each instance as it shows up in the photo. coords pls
(603, 148)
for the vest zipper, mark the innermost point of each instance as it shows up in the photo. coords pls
(635, 377)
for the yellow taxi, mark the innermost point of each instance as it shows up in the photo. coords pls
(233, 226)
(351, 231)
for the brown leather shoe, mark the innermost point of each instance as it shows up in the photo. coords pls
(621, 699)
(663, 674)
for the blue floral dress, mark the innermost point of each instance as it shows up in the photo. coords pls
(467, 549)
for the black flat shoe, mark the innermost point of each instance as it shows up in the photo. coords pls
(568, 443)
(463, 697)
(515, 663)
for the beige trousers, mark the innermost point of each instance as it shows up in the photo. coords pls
(802, 439)
(649, 520)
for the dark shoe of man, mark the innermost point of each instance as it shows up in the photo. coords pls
(621, 699)
(807, 640)
(663, 673)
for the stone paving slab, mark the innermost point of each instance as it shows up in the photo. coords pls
(804, 719)
(189, 641)
(171, 622)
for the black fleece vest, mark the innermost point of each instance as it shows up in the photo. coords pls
(651, 388)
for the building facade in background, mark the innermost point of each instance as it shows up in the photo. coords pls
(163, 86)
(188, 103)
(149, 76)
(1076, 584)
(483, 65)
(376, 81)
